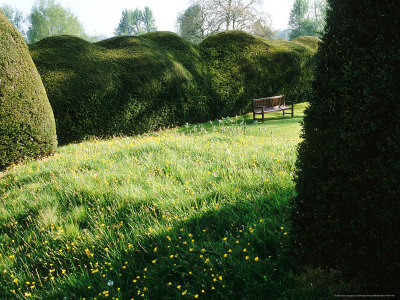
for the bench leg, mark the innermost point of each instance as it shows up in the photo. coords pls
(263, 115)
(254, 116)
(292, 110)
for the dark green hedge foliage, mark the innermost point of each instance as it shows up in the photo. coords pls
(347, 214)
(242, 67)
(27, 127)
(130, 85)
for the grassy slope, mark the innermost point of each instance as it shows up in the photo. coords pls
(178, 213)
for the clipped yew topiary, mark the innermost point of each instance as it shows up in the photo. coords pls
(120, 86)
(346, 214)
(27, 127)
(243, 67)
(129, 85)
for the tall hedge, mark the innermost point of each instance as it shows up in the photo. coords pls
(120, 86)
(242, 67)
(346, 214)
(27, 127)
(130, 85)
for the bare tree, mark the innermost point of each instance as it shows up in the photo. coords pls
(206, 17)
(237, 14)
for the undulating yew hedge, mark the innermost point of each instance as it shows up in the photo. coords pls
(27, 127)
(242, 67)
(130, 85)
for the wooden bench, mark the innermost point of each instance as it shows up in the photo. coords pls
(262, 106)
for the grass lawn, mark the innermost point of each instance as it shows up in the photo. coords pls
(192, 212)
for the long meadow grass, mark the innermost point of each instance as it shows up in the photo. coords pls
(197, 212)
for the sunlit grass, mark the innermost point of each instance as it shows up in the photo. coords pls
(192, 212)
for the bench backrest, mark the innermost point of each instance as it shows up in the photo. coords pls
(276, 101)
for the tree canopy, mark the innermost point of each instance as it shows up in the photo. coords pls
(307, 17)
(190, 24)
(206, 17)
(48, 18)
(136, 22)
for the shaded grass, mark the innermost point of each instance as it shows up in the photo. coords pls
(192, 212)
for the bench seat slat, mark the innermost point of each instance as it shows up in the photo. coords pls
(271, 109)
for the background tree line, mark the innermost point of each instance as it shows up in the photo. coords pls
(136, 22)
(49, 18)
(200, 20)
(206, 17)
(307, 17)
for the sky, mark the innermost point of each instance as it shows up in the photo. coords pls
(101, 17)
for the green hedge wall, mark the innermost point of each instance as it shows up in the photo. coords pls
(27, 127)
(130, 85)
(120, 86)
(346, 215)
(243, 67)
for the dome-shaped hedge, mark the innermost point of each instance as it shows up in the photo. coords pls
(129, 85)
(243, 66)
(27, 127)
(120, 86)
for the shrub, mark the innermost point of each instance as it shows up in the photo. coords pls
(346, 212)
(129, 85)
(121, 86)
(243, 67)
(27, 128)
